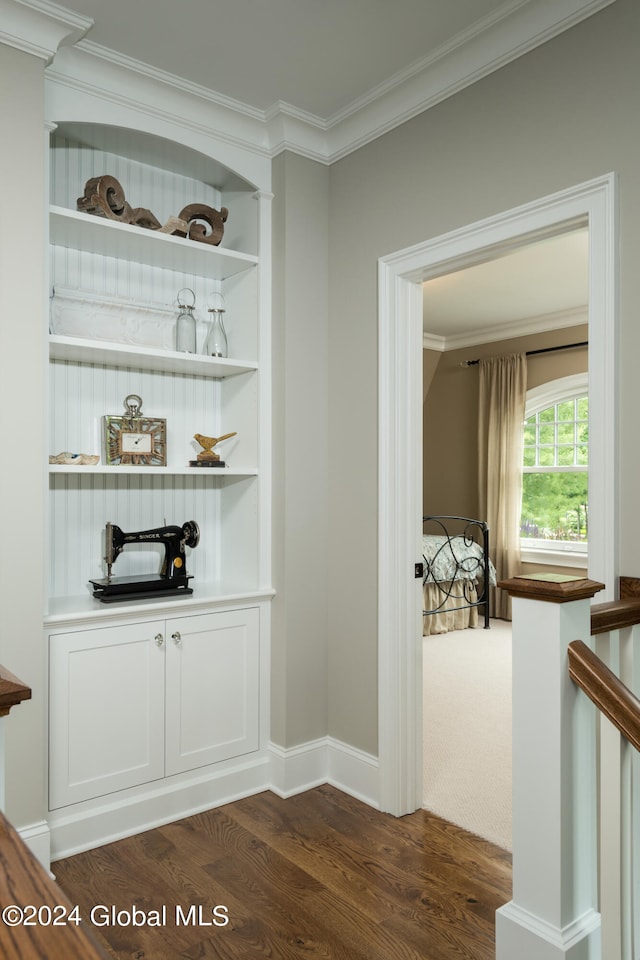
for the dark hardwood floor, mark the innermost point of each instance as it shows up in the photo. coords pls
(319, 875)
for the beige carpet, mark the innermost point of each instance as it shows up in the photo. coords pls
(467, 729)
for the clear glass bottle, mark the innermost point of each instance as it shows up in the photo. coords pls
(216, 344)
(186, 324)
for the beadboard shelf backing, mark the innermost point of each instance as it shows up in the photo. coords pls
(152, 151)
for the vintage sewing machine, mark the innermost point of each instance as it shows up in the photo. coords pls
(173, 579)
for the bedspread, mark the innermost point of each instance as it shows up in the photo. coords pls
(453, 558)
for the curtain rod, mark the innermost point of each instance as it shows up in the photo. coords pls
(533, 353)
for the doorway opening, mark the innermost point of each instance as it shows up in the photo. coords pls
(534, 301)
(400, 447)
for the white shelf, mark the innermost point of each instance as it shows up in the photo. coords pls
(124, 241)
(144, 358)
(67, 611)
(219, 473)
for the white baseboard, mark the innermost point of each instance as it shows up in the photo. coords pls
(296, 769)
(520, 933)
(84, 826)
(38, 838)
(286, 772)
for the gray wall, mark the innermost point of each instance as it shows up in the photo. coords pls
(22, 411)
(300, 423)
(561, 115)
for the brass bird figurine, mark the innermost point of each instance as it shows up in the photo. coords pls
(208, 443)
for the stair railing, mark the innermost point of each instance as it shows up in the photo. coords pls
(576, 832)
(27, 891)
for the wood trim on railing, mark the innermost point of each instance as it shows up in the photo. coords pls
(552, 587)
(614, 615)
(629, 588)
(610, 695)
(25, 883)
(12, 691)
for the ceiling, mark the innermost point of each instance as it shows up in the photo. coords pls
(320, 56)
(538, 286)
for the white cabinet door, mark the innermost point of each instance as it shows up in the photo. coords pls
(106, 708)
(212, 688)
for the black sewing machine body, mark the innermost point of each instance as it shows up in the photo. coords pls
(172, 580)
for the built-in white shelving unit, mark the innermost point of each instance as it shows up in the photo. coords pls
(174, 690)
(114, 290)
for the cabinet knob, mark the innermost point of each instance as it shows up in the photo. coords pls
(177, 639)
(159, 639)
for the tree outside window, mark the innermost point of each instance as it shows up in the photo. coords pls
(555, 502)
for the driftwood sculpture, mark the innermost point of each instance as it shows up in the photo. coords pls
(104, 197)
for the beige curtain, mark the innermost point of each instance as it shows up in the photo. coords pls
(502, 397)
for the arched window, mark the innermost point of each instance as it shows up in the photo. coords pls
(554, 522)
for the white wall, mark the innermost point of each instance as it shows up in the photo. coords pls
(562, 115)
(22, 472)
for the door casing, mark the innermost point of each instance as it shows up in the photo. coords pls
(400, 276)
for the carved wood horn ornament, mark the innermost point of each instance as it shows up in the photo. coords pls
(104, 197)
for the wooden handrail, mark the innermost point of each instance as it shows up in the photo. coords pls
(26, 884)
(12, 691)
(27, 890)
(612, 697)
(614, 615)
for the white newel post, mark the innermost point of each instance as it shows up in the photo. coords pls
(553, 914)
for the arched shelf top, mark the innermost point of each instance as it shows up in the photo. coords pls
(155, 151)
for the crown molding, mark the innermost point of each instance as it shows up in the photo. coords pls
(510, 32)
(513, 30)
(138, 97)
(431, 341)
(298, 131)
(557, 320)
(162, 76)
(39, 27)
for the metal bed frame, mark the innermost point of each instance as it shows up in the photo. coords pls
(460, 588)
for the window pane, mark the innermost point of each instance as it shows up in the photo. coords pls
(554, 505)
(554, 500)
(566, 432)
(547, 434)
(529, 433)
